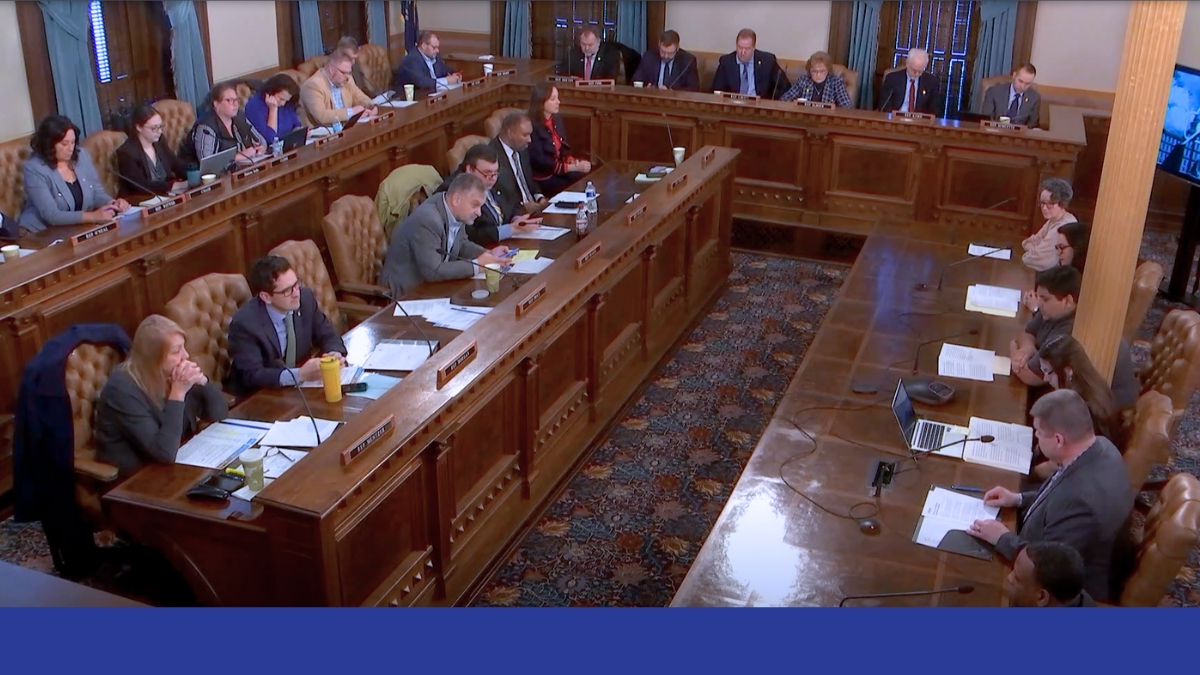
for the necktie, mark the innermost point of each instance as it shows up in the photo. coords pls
(745, 78)
(493, 207)
(520, 171)
(587, 68)
(666, 74)
(1014, 106)
(912, 96)
(289, 358)
(1045, 489)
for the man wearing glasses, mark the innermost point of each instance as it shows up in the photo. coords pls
(331, 95)
(274, 334)
(494, 223)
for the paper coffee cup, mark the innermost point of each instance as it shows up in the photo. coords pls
(491, 272)
(409, 91)
(10, 252)
(1005, 119)
(208, 178)
(678, 152)
(487, 68)
(252, 464)
(639, 85)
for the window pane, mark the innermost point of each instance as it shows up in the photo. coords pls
(100, 42)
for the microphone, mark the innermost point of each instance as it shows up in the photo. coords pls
(775, 79)
(964, 590)
(942, 277)
(985, 438)
(139, 186)
(670, 138)
(917, 354)
(681, 73)
(428, 342)
(886, 101)
(300, 390)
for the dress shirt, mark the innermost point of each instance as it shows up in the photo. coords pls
(336, 94)
(747, 68)
(518, 174)
(441, 81)
(278, 320)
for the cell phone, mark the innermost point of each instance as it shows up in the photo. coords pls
(511, 252)
(356, 388)
(225, 481)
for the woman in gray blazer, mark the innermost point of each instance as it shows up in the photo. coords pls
(61, 184)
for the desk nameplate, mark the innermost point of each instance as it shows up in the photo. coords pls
(901, 116)
(677, 183)
(736, 97)
(102, 228)
(531, 299)
(208, 189)
(239, 176)
(561, 78)
(368, 439)
(158, 208)
(501, 73)
(805, 103)
(383, 117)
(995, 125)
(708, 157)
(635, 214)
(594, 84)
(328, 139)
(471, 84)
(439, 97)
(588, 256)
(284, 158)
(457, 364)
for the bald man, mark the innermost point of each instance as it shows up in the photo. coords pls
(911, 89)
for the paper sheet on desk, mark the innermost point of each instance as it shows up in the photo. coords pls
(247, 494)
(420, 307)
(560, 210)
(298, 433)
(525, 254)
(989, 252)
(544, 233)
(1011, 450)
(278, 460)
(531, 266)
(377, 385)
(398, 355)
(457, 318)
(214, 447)
(993, 300)
(350, 375)
(965, 362)
(28, 251)
(947, 510)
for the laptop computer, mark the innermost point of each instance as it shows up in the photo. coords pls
(295, 138)
(219, 163)
(353, 120)
(924, 435)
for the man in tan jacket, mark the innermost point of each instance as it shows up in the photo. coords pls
(330, 94)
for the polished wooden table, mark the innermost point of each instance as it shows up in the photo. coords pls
(20, 587)
(770, 545)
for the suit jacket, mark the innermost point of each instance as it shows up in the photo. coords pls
(133, 162)
(834, 92)
(1086, 507)
(316, 95)
(507, 191)
(606, 64)
(256, 357)
(48, 200)
(769, 79)
(544, 160)
(996, 100)
(486, 228)
(412, 256)
(412, 70)
(929, 92)
(684, 76)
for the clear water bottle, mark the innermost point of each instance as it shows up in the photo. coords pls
(590, 193)
(337, 126)
(581, 221)
(277, 147)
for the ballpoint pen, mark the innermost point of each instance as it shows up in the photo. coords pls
(966, 488)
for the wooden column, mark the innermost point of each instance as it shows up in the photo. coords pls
(1151, 45)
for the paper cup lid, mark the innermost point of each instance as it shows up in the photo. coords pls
(252, 455)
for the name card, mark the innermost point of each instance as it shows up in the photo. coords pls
(239, 176)
(560, 78)
(501, 73)
(587, 256)
(911, 116)
(531, 299)
(436, 98)
(708, 157)
(284, 158)
(994, 125)
(635, 214)
(100, 229)
(735, 97)
(456, 364)
(814, 104)
(471, 84)
(328, 139)
(383, 117)
(164, 205)
(595, 83)
(212, 187)
(382, 429)
(677, 183)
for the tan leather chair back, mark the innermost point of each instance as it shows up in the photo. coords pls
(86, 373)
(373, 60)
(1172, 529)
(796, 68)
(706, 67)
(312, 65)
(296, 75)
(12, 175)
(356, 240)
(306, 260)
(244, 92)
(1150, 439)
(102, 146)
(203, 308)
(491, 125)
(454, 156)
(1146, 279)
(1174, 366)
(178, 118)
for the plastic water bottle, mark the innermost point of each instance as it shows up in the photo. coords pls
(337, 126)
(590, 193)
(277, 147)
(581, 220)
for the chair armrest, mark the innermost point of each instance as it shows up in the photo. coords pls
(364, 291)
(357, 312)
(98, 470)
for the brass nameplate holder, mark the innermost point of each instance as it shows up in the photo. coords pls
(284, 158)
(911, 116)
(100, 229)
(708, 157)
(382, 429)
(815, 104)
(383, 117)
(993, 125)
(560, 78)
(456, 364)
(242, 175)
(471, 84)
(587, 256)
(328, 139)
(736, 97)
(595, 83)
(164, 205)
(501, 73)
(635, 214)
(212, 187)
(531, 299)
(677, 183)
(436, 98)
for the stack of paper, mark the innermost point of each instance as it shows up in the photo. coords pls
(398, 355)
(982, 251)
(278, 460)
(544, 233)
(647, 177)
(531, 266)
(947, 510)
(219, 443)
(457, 318)
(420, 307)
(993, 300)
(299, 433)
(1012, 448)
(967, 362)
(350, 375)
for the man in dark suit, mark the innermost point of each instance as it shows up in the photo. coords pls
(515, 188)
(592, 59)
(750, 71)
(1047, 574)
(668, 67)
(280, 326)
(1085, 504)
(1017, 100)
(912, 89)
(493, 223)
(424, 68)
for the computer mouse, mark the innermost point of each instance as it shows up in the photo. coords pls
(869, 526)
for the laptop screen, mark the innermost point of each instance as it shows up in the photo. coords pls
(902, 408)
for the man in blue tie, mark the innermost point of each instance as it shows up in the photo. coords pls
(493, 224)
(669, 66)
(749, 71)
(1017, 100)
(424, 68)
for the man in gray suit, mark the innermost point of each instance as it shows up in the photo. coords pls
(431, 243)
(1085, 503)
(1017, 100)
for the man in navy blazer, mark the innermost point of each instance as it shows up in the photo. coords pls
(424, 68)
(668, 67)
(734, 70)
(281, 326)
(901, 87)
(592, 59)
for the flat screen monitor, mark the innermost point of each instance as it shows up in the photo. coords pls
(1179, 149)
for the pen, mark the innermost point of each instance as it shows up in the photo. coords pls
(965, 488)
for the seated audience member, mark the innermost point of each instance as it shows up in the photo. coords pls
(272, 109)
(277, 330)
(424, 68)
(553, 166)
(222, 128)
(1017, 100)
(330, 95)
(1054, 195)
(747, 70)
(912, 89)
(515, 189)
(145, 161)
(153, 399)
(1084, 504)
(1047, 574)
(817, 84)
(1065, 365)
(669, 66)
(590, 58)
(431, 244)
(493, 223)
(351, 48)
(1072, 245)
(61, 183)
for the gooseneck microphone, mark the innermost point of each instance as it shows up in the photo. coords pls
(964, 590)
(681, 73)
(886, 101)
(917, 353)
(984, 438)
(303, 398)
(139, 186)
(428, 342)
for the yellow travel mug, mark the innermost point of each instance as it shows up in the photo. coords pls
(331, 376)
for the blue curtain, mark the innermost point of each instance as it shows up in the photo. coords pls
(377, 28)
(412, 27)
(310, 29)
(69, 41)
(187, 53)
(517, 37)
(864, 41)
(631, 24)
(993, 52)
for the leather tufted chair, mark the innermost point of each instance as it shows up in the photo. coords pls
(86, 372)
(1172, 529)
(373, 60)
(798, 67)
(310, 269)
(1146, 279)
(1174, 366)
(203, 308)
(312, 65)
(357, 245)
(12, 175)
(244, 92)
(296, 75)
(404, 189)
(1150, 438)
(102, 146)
(454, 156)
(492, 124)
(178, 118)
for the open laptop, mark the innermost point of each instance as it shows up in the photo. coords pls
(295, 138)
(924, 435)
(217, 164)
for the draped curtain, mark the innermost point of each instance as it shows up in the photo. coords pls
(864, 43)
(187, 53)
(993, 51)
(412, 27)
(69, 41)
(377, 28)
(517, 38)
(631, 24)
(310, 29)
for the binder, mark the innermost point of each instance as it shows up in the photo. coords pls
(957, 541)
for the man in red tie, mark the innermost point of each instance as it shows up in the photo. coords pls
(592, 59)
(911, 89)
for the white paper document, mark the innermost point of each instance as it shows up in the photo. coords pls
(947, 510)
(219, 443)
(544, 233)
(635, 196)
(1012, 448)
(29, 251)
(276, 461)
(350, 375)
(531, 266)
(993, 300)
(560, 210)
(398, 355)
(457, 318)
(989, 252)
(571, 197)
(299, 433)
(420, 307)
(965, 362)
(397, 103)
(247, 494)
(377, 385)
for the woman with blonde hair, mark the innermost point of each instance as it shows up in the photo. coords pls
(153, 398)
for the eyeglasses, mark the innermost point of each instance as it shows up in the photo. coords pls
(1061, 247)
(1044, 203)
(289, 290)
(487, 174)
(153, 127)
(229, 100)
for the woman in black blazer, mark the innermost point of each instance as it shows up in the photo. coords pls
(145, 161)
(553, 166)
